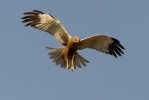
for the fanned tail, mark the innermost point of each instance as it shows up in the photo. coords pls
(58, 58)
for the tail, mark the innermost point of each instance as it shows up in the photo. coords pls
(58, 58)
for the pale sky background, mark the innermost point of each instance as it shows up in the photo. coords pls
(27, 73)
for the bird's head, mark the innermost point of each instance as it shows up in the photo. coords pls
(75, 39)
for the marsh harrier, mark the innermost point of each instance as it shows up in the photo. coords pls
(68, 55)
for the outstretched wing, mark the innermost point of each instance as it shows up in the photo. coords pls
(103, 44)
(47, 23)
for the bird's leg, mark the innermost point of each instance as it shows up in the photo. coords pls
(72, 62)
(65, 55)
(67, 65)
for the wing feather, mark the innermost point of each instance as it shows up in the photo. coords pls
(103, 44)
(47, 23)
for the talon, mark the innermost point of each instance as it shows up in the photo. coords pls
(67, 66)
(73, 68)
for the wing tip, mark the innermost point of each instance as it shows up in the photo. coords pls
(115, 48)
(38, 11)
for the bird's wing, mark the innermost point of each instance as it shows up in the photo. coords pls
(103, 44)
(47, 23)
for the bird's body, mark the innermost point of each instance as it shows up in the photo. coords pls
(68, 56)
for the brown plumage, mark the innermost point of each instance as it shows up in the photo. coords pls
(68, 56)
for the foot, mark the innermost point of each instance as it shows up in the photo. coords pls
(67, 66)
(73, 68)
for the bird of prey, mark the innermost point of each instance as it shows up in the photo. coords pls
(67, 56)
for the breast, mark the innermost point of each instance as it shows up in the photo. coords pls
(72, 50)
(72, 46)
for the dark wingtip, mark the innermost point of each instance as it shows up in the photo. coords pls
(37, 11)
(28, 24)
(28, 13)
(117, 42)
(120, 46)
(115, 48)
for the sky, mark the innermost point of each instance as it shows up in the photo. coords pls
(27, 73)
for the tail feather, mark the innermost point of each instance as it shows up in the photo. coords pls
(58, 58)
(62, 63)
(56, 53)
(59, 61)
(82, 60)
(76, 61)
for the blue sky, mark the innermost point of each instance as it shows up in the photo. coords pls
(27, 73)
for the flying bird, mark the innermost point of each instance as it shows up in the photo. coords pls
(67, 56)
